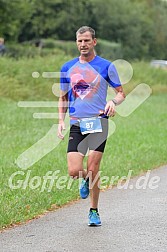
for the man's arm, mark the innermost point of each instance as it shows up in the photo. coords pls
(118, 99)
(63, 105)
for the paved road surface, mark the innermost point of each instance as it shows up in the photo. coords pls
(132, 220)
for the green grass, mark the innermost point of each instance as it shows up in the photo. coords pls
(16, 80)
(144, 73)
(138, 144)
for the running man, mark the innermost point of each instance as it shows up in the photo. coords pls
(83, 84)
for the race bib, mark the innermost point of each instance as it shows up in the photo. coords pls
(90, 125)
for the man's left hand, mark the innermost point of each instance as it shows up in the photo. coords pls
(110, 109)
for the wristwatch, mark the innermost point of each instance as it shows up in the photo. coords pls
(114, 101)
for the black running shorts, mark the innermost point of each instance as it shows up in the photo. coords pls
(91, 141)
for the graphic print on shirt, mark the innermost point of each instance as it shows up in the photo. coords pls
(85, 81)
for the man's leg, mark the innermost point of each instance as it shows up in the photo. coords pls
(93, 165)
(74, 156)
(96, 144)
(76, 170)
(75, 164)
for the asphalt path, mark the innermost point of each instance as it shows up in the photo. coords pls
(133, 219)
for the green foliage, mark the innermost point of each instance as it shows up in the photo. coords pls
(138, 26)
(69, 47)
(57, 19)
(30, 51)
(104, 48)
(17, 51)
(134, 24)
(109, 50)
(13, 15)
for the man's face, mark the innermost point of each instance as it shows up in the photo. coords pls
(85, 43)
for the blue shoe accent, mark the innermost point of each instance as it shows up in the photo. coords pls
(94, 218)
(84, 189)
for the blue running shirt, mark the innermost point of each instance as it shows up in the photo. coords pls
(86, 84)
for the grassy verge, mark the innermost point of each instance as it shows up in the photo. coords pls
(144, 73)
(16, 80)
(138, 144)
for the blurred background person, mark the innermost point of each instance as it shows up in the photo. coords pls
(2, 47)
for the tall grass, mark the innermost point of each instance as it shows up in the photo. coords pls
(16, 80)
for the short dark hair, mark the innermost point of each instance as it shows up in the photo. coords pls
(84, 29)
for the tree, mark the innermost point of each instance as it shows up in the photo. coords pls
(12, 17)
(57, 19)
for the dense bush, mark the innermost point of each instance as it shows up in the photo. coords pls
(69, 47)
(106, 49)
(18, 51)
(30, 51)
(109, 50)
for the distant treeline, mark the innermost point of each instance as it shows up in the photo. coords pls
(140, 27)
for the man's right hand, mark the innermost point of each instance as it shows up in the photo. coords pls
(61, 127)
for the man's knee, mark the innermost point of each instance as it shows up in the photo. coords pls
(93, 167)
(75, 174)
(75, 166)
